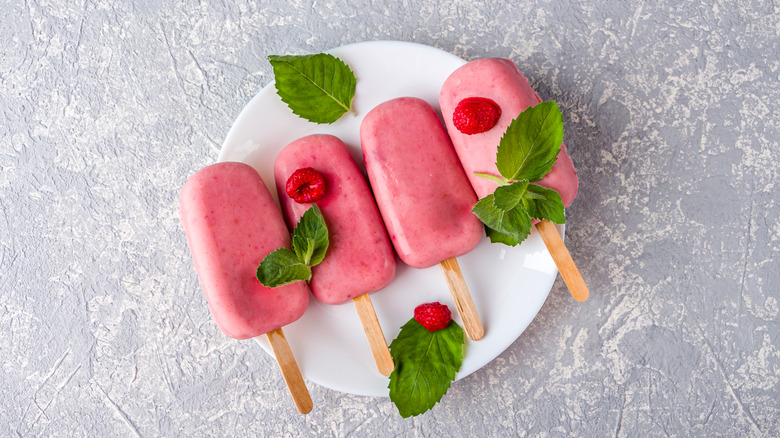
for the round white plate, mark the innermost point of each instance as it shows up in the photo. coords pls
(508, 285)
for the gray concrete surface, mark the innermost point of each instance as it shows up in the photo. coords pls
(671, 111)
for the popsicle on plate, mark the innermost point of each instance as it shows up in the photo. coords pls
(500, 82)
(360, 259)
(422, 193)
(232, 223)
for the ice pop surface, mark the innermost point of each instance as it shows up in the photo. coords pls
(423, 194)
(360, 259)
(232, 223)
(499, 80)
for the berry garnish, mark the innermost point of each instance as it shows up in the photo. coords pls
(433, 316)
(475, 114)
(305, 186)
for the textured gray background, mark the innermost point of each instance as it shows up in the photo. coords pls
(672, 121)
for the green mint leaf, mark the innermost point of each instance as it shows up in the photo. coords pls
(531, 143)
(515, 222)
(310, 237)
(318, 87)
(545, 203)
(509, 196)
(282, 267)
(499, 237)
(425, 366)
(310, 244)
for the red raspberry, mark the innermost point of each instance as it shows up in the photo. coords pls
(475, 114)
(305, 186)
(433, 316)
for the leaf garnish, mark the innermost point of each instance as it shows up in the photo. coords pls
(531, 143)
(310, 244)
(318, 88)
(282, 267)
(425, 365)
(310, 237)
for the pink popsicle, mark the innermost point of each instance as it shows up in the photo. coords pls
(360, 259)
(422, 192)
(499, 80)
(502, 82)
(231, 224)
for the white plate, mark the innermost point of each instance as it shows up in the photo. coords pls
(508, 285)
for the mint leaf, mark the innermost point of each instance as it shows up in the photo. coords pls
(531, 143)
(310, 237)
(515, 221)
(545, 203)
(318, 87)
(499, 237)
(425, 366)
(509, 196)
(310, 244)
(282, 267)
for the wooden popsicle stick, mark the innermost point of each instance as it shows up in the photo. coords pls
(290, 372)
(560, 255)
(376, 339)
(463, 302)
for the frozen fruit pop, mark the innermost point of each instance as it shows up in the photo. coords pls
(497, 80)
(231, 224)
(319, 168)
(422, 192)
(495, 86)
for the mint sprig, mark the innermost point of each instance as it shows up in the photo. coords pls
(318, 88)
(527, 152)
(310, 244)
(425, 366)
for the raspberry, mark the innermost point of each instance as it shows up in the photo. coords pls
(433, 316)
(475, 114)
(305, 186)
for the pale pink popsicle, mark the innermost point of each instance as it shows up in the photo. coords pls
(502, 82)
(360, 259)
(422, 192)
(232, 223)
(499, 80)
